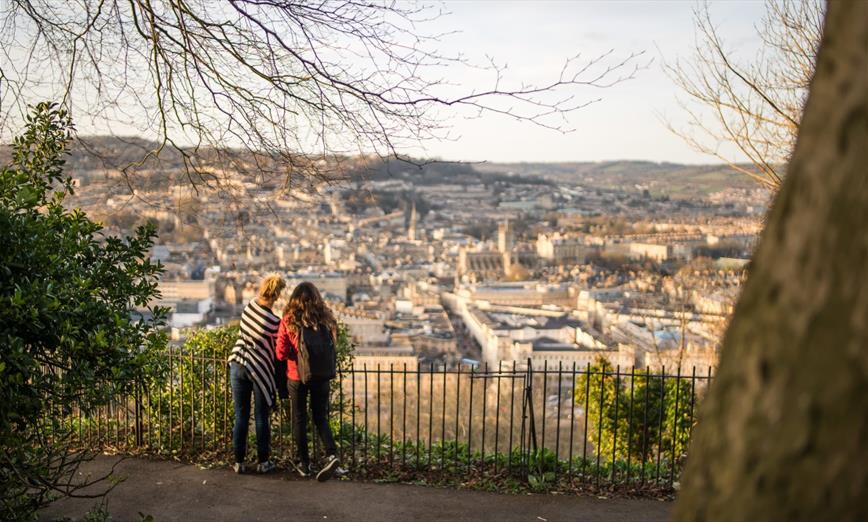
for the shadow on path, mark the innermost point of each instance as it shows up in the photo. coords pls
(171, 491)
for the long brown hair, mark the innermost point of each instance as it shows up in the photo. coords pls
(307, 308)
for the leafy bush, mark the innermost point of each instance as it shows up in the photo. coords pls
(639, 428)
(66, 295)
(183, 386)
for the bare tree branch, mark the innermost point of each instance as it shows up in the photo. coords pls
(756, 106)
(284, 89)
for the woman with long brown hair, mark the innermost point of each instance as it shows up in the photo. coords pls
(308, 331)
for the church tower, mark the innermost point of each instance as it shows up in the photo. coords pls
(411, 228)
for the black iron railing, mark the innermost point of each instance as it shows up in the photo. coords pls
(597, 425)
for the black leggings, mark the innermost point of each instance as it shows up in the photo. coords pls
(319, 403)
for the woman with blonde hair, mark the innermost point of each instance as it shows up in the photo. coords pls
(306, 341)
(251, 371)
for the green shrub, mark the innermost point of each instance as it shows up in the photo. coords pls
(641, 428)
(66, 295)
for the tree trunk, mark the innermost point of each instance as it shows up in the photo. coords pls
(783, 434)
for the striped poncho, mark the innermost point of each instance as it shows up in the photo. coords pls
(255, 346)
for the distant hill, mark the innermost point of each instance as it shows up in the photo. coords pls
(672, 179)
(97, 152)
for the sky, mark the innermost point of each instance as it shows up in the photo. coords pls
(534, 38)
(629, 122)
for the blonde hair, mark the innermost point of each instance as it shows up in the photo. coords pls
(271, 287)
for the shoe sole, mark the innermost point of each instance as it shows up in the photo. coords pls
(327, 472)
(300, 471)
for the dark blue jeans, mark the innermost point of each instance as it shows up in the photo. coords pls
(319, 404)
(242, 387)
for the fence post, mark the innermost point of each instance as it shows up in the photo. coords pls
(138, 410)
(528, 418)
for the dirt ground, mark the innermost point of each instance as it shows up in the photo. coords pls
(172, 491)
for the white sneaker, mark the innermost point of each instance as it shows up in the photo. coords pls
(331, 465)
(302, 469)
(239, 468)
(265, 467)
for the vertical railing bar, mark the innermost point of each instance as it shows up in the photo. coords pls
(202, 406)
(182, 429)
(431, 412)
(692, 398)
(572, 421)
(497, 418)
(127, 416)
(138, 412)
(600, 426)
(418, 410)
(675, 425)
(379, 413)
(587, 403)
(158, 390)
(470, 420)
(442, 421)
(647, 388)
(484, 416)
(544, 406)
(615, 430)
(404, 420)
(342, 450)
(98, 412)
(147, 412)
(558, 422)
(215, 371)
(532, 441)
(630, 421)
(227, 390)
(117, 397)
(367, 433)
(89, 424)
(457, 411)
(521, 444)
(192, 402)
(81, 430)
(194, 394)
(353, 415)
(171, 383)
(660, 422)
(391, 415)
(512, 380)
(113, 411)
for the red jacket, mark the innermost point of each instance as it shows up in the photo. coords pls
(286, 350)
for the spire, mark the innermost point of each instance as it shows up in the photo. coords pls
(411, 229)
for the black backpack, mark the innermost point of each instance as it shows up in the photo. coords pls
(317, 357)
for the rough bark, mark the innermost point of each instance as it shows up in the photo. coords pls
(783, 434)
